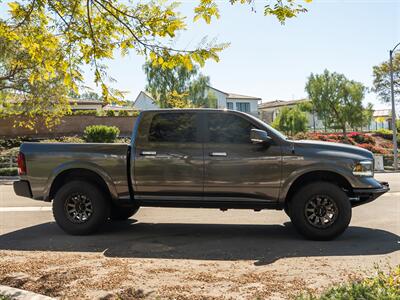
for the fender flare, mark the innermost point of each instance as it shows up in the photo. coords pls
(79, 164)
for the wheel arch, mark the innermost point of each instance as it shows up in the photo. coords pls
(80, 173)
(313, 176)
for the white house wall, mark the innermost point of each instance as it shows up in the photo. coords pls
(144, 102)
(253, 105)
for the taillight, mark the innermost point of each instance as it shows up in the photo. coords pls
(21, 164)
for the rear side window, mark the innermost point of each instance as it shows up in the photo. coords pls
(173, 128)
(228, 129)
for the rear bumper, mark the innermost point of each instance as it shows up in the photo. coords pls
(362, 196)
(22, 188)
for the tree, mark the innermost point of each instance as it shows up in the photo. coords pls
(291, 120)
(338, 101)
(44, 44)
(178, 87)
(381, 74)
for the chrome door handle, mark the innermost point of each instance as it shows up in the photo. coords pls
(148, 153)
(218, 154)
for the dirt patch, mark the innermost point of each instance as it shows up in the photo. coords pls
(94, 276)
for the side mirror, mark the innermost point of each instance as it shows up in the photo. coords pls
(258, 136)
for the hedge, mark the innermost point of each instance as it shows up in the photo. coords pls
(8, 171)
(101, 134)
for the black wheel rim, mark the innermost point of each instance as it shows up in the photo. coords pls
(78, 208)
(321, 211)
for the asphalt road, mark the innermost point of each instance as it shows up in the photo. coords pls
(254, 241)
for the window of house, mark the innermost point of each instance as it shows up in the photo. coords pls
(229, 105)
(243, 106)
(228, 129)
(173, 128)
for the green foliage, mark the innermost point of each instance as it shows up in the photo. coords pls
(178, 87)
(381, 75)
(123, 113)
(384, 133)
(84, 112)
(135, 113)
(381, 286)
(44, 44)
(338, 101)
(281, 9)
(101, 134)
(291, 120)
(8, 172)
(4, 297)
(110, 113)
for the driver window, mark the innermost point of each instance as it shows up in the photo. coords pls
(225, 128)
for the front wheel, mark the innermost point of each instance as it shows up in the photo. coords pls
(320, 211)
(80, 207)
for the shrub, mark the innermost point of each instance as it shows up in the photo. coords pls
(384, 133)
(123, 113)
(85, 112)
(101, 134)
(8, 171)
(12, 143)
(135, 113)
(381, 286)
(300, 136)
(110, 113)
(361, 138)
(373, 148)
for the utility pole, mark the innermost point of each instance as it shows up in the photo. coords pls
(394, 128)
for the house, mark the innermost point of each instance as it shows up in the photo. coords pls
(80, 104)
(248, 104)
(144, 101)
(381, 118)
(268, 112)
(225, 100)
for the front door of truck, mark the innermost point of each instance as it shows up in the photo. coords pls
(169, 157)
(236, 168)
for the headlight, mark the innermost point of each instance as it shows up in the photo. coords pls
(364, 168)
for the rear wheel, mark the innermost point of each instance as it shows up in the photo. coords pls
(320, 211)
(119, 213)
(80, 207)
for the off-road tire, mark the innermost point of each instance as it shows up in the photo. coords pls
(299, 211)
(99, 203)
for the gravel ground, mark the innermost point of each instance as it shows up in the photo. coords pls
(193, 253)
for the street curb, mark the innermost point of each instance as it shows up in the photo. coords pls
(18, 294)
(8, 179)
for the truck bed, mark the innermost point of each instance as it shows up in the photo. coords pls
(45, 161)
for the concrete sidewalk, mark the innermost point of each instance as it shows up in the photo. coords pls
(18, 294)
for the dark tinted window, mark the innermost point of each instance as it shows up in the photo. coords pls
(228, 129)
(173, 128)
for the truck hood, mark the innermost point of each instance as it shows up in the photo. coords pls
(333, 149)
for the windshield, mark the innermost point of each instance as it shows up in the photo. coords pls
(270, 128)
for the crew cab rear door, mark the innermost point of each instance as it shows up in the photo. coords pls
(168, 160)
(234, 167)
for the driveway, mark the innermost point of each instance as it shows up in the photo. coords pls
(191, 253)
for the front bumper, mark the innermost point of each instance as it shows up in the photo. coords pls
(362, 196)
(22, 188)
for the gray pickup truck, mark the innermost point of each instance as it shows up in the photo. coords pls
(200, 158)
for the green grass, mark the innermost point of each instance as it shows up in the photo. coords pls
(382, 286)
(4, 297)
